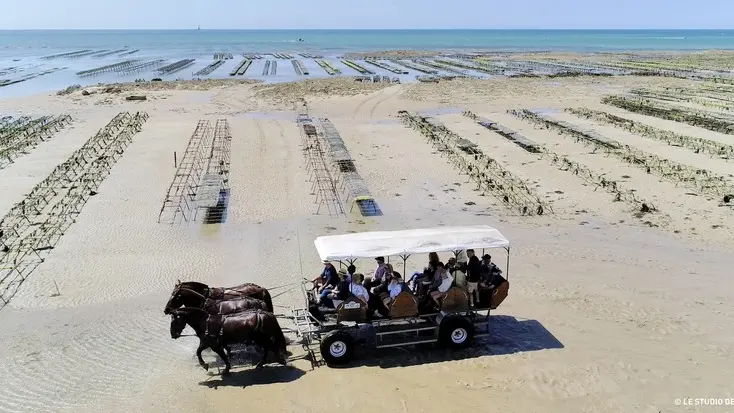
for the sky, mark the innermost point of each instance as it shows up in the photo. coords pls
(369, 14)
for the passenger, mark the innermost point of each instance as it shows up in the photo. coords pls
(394, 288)
(386, 278)
(356, 288)
(328, 272)
(491, 279)
(474, 275)
(444, 286)
(451, 266)
(339, 293)
(437, 276)
(326, 281)
(418, 278)
(488, 268)
(350, 272)
(433, 258)
(379, 273)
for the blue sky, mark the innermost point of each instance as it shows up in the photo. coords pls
(407, 14)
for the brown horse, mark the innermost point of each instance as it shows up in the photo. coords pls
(234, 305)
(184, 297)
(203, 290)
(217, 331)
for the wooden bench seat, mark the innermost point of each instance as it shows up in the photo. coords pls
(351, 309)
(493, 298)
(404, 305)
(455, 299)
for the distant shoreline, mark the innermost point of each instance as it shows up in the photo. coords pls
(371, 30)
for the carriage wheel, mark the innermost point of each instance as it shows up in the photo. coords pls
(337, 348)
(456, 332)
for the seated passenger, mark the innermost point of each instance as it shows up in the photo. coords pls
(379, 275)
(445, 284)
(487, 268)
(356, 288)
(437, 279)
(418, 279)
(491, 278)
(329, 273)
(339, 293)
(330, 279)
(386, 278)
(451, 266)
(394, 289)
(374, 304)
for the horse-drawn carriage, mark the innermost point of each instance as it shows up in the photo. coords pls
(454, 324)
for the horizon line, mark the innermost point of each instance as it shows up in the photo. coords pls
(373, 29)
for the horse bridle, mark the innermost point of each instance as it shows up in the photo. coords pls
(179, 288)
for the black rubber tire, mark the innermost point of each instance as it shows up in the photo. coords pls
(455, 332)
(337, 348)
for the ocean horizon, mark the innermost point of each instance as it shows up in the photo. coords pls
(341, 41)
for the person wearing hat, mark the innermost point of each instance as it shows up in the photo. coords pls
(487, 267)
(326, 281)
(491, 278)
(339, 293)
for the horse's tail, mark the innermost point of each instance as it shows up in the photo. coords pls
(279, 339)
(268, 300)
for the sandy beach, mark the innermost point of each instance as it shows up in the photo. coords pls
(609, 310)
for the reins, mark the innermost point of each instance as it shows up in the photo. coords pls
(284, 285)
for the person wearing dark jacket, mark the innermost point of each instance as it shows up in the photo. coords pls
(474, 275)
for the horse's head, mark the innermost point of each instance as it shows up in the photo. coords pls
(183, 296)
(178, 323)
(175, 301)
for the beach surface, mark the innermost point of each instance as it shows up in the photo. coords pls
(609, 310)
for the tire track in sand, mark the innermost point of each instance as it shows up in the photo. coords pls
(286, 163)
(381, 101)
(361, 104)
(260, 139)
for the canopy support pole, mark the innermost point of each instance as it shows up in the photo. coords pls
(507, 265)
(405, 258)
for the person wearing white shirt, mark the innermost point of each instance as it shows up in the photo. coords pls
(358, 290)
(394, 289)
(446, 281)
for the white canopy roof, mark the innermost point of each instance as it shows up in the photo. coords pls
(413, 241)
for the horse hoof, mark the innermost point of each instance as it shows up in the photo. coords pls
(205, 366)
(259, 366)
(225, 373)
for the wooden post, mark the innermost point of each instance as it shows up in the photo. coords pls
(58, 293)
(175, 164)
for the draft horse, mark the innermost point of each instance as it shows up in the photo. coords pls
(184, 297)
(200, 292)
(218, 331)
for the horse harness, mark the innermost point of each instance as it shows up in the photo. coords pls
(258, 324)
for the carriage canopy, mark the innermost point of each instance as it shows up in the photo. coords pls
(407, 242)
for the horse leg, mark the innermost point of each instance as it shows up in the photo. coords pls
(202, 347)
(229, 350)
(265, 347)
(221, 353)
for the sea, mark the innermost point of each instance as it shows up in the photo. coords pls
(21, 50)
